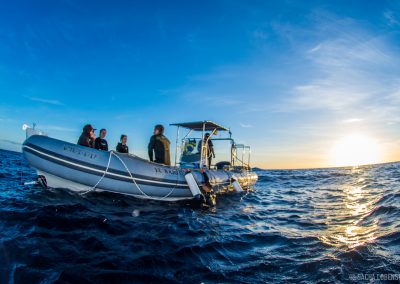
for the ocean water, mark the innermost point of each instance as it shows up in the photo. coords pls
(302, 226)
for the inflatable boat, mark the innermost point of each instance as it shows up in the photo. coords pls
(61, 164)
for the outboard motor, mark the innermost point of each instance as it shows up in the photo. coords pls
(209, 198)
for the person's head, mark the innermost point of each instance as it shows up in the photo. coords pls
(88, 129)
(103, 133)
(124, 139)
(206, 136)
(158, 129)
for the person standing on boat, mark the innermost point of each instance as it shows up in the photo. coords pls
(100, 143)
(87, 137)
(159, 147)
(122, 147)
(209, 150)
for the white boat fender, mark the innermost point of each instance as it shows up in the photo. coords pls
(194, 188)
(236, 184)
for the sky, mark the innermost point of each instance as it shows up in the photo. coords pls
(293, 79)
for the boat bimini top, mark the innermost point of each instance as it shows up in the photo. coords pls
(206, 125)
(195, 134)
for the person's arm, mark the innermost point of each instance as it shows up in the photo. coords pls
(106, 145)
(91, 143)
(118, 148)
(83, 141)
(151, 147)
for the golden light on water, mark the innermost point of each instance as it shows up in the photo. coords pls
(348, 227)
(354, 150)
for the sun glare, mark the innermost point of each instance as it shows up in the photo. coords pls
(355, 150)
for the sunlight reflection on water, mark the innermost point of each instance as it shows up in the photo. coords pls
(347, 227)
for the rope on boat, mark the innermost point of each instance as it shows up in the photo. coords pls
(104, 174)
(132, 178)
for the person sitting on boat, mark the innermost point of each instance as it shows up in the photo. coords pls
(209, 149)
(159, 147)
(122, 147)
(100, 143)
(87, 137)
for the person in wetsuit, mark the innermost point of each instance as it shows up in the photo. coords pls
(210, 149)
(159, 147)
(87, 137)
(122, 147)
(209, 197)
(100, 143)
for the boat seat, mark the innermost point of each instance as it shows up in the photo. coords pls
(221, 165)
(191, 158)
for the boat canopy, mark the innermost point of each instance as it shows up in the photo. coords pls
(198, 126)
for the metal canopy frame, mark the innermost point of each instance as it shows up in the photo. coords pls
(244, 152)
(209, 126)
(206, 125)
(202, 126)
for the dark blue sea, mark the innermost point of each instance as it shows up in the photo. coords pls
(300, 226)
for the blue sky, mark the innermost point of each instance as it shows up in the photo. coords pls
(289, 77)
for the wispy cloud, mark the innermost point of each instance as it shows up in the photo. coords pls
(391, 18)
(222, 101)
(58, 128)
(244, 125)
(124, 116)
(8, 119)
(315, 48)
(352, 120)
(351, 71)
(10, 142)
(46, 101)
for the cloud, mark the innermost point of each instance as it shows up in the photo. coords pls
(8, 120)
(124, 116)
(335, 67)
(10, 142)
(58, 128)
(391, 18)
(246, 125)
(46, 101)
(352, 120)
(315, 48)
(259, 35)
(351, 70)
(221, 101)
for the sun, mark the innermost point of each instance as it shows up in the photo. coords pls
(355, 150)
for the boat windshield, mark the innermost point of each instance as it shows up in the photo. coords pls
(191, 152)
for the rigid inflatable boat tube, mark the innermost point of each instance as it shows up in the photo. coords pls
(194, 188)
(236, 184)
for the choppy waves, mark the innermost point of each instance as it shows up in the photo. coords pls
(297, 225)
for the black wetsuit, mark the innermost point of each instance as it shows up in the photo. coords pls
(85, 140)
(210, 150)
(101, 144)
(159, 144)
(122, 148)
